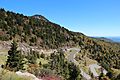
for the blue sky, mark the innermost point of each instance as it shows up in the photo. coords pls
(91, 17)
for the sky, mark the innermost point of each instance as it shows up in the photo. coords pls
(91, 17)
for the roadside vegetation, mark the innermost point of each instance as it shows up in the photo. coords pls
(40, 65)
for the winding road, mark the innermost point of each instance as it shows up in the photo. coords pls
(96, 66)
(92, 67)
(71, 58)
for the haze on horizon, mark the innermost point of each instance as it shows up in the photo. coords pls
(91, 17)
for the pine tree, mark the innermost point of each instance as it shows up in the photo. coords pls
(32, 57)
(15, 58)
(74, 72)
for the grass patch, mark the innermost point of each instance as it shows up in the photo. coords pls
(7, 75)
(43, 61)
(85, 69)
(3, 56)
(98, 71)
(90, 61)
(116, 71)
(3, 59)
(5, 51)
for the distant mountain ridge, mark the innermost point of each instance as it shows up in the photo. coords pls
(104, 39)
(108, 39)
(115, 39)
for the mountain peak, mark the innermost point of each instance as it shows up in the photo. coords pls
(37, 16)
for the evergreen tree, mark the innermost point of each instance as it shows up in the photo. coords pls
(15, 58)
(32, 57)
(66, 70)
(74, 72)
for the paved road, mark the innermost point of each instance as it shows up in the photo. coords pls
(92, 69)
(96, 66)
(71, 58)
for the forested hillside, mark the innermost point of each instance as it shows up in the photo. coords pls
(38, 31)
(35, 30)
